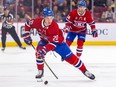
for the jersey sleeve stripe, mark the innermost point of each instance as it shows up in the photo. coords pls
(69, 21)
(27, 24)
(92, 23)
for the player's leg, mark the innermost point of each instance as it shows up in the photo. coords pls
(39, 61)
(70, 37)
(80, 43)
(3, 38)
(15, 37)
(76, 62)
(64, 51)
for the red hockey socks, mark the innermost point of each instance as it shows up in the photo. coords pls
(40, 64)
(79, 49)
(76, 62)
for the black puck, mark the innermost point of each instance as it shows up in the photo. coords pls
(46, 82)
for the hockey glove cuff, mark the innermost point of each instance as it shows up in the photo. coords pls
(66, 29)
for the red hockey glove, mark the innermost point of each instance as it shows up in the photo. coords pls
(66, 29)
(41, 52)
(95, 33)
(27, 38)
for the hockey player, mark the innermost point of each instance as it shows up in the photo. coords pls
(51, 39)
(77, 26)
(7, 26)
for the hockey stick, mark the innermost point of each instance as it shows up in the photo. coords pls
(46, 64)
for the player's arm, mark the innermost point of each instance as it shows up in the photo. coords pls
(70, 18)
(26, 33)
(91, 23)
(1, 19)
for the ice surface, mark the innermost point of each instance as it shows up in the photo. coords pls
(18, 68)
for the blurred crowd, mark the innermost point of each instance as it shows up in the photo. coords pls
(103, 10)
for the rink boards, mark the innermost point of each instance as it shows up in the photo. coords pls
(106, 33)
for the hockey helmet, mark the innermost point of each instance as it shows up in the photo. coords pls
(47, 12)
(82, 3)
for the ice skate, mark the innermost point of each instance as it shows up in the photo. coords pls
(89, 75)
(40, 74)
(3, 49)
(22, 47)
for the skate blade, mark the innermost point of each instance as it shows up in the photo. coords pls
(39, 80)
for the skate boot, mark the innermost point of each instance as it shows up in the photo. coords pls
(40, 74)
(22, 47)
(3, 49)
(89, 75)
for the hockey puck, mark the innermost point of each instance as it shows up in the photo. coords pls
(46, 82)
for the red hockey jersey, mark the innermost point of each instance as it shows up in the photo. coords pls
(79, 23)
(51, 33)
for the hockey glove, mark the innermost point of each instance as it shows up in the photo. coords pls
(95, 33)
(41, 52)
(27, 38)
(66, 29)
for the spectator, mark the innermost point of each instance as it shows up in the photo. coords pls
(46, 3)
(27, 2)
(22, 13)
(89, 4)
(38, 7)
(55, 9)
(73, 4)
(55, 2)
(8, 2)
(63, 5)
(112, 5)
(110, 15)
(12, 9)
(100, 3)
(103, 17)
(58, 17)
(65, 13)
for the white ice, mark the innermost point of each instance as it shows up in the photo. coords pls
(18, 68)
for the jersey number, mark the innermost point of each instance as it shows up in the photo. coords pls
(55, 38)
